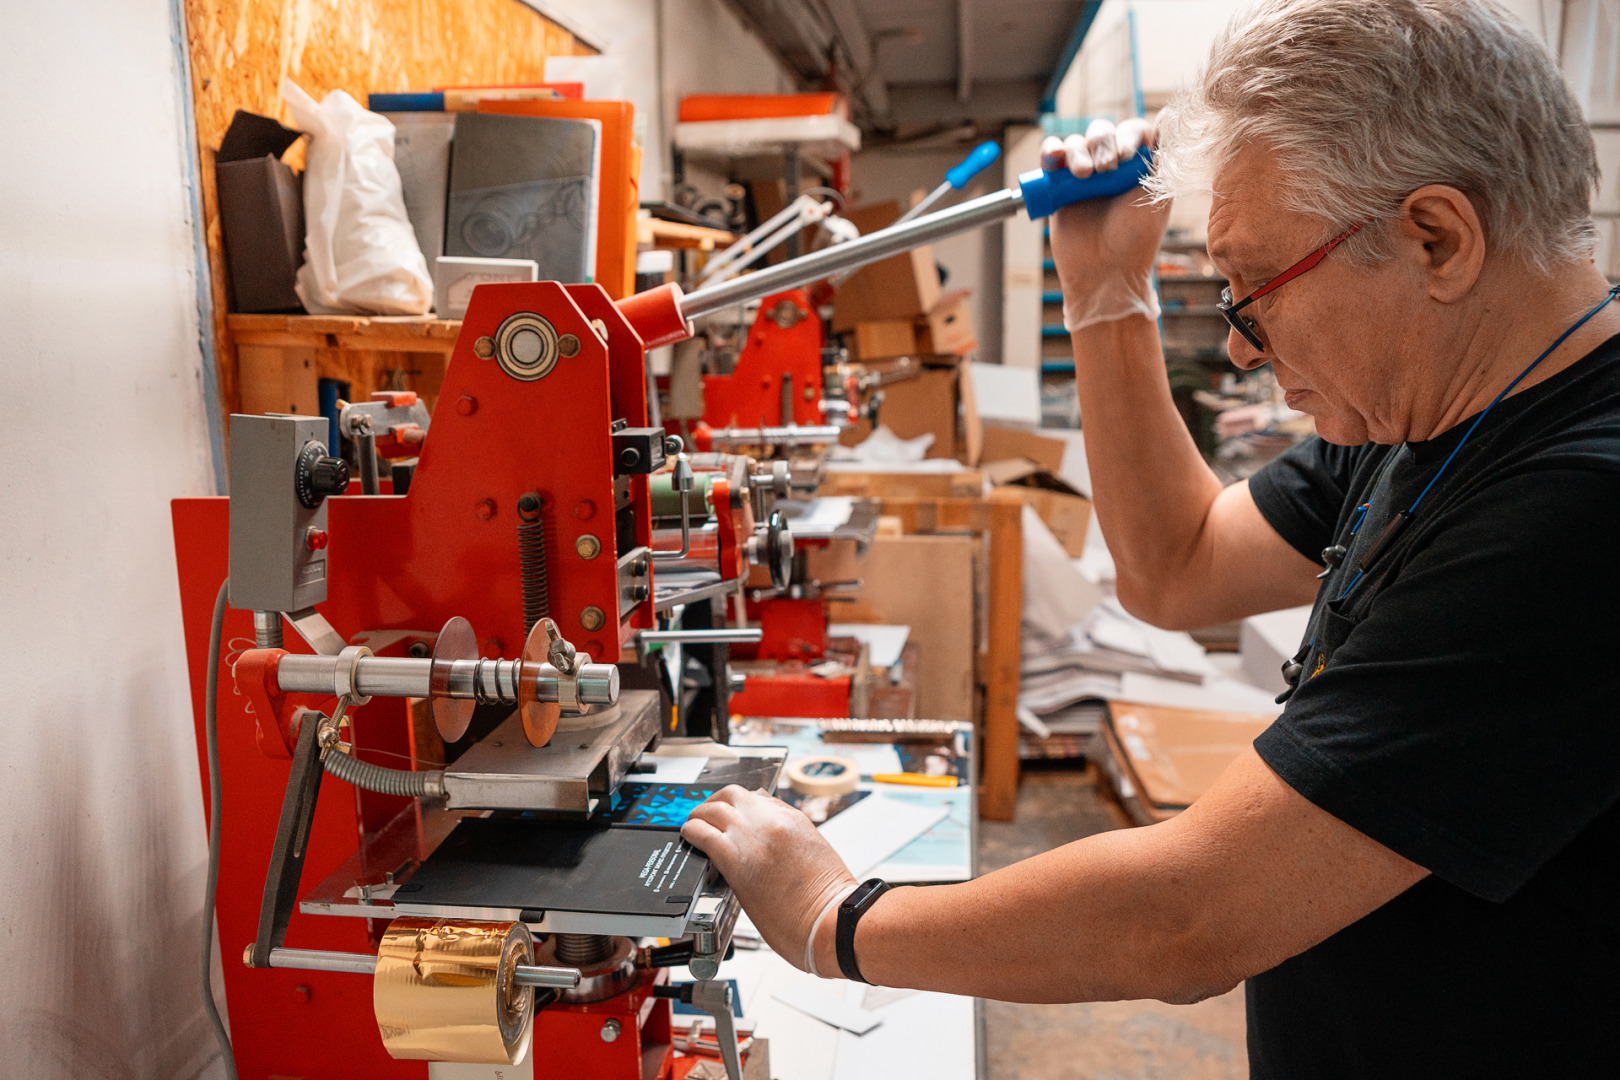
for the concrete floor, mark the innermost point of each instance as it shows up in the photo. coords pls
(1128, 1040)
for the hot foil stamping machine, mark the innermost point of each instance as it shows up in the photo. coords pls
(502, 829)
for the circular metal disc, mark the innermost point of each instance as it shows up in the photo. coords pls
(457, 641)
(539, 717)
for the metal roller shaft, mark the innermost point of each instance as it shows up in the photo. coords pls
(366, 964)
(732, 635)
(847, 256)
(482, 680)
(802, 435)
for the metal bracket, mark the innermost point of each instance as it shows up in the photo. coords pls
(316, 631)
(292, 841)
(714, 998)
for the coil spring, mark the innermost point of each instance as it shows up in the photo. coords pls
(532, 538)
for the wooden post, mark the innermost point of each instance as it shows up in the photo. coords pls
(998, 795)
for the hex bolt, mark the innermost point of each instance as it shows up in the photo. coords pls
(466, 405)
(568, 345)
(592, 618)
(588, 546)
(484, 347)
(302, 994)
(584, 510)
(485, 509)
(610, 1029)
(809, 393)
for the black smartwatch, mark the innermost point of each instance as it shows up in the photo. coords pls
(855, 905)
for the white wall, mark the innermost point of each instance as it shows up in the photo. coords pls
(102, 421)
(669, 49)
(973, 259)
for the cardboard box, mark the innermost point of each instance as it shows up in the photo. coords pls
(1064, 510)
(921, 405)
(885, 339)
(1013, 444)
(948, 326)
(902, 286)
(927, 583)
(1171, 756)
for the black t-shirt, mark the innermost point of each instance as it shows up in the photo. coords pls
(1462, 707)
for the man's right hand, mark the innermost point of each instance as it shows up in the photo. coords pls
(1104, 249)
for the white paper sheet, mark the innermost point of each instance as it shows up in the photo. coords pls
(1217, 694)
(829, 1009)
(922, 1034)
(875, 828)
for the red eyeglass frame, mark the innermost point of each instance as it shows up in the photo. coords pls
(1247, 326)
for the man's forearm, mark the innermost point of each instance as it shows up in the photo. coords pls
(1096, 920)
(1152, 490)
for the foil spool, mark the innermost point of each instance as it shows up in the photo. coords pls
(444, 991)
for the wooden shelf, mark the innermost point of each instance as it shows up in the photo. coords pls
(655, 232)
(281, 359)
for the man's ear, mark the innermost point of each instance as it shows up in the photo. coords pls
(1440, 231)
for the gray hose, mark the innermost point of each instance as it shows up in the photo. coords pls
(381, 779)
(211, 725)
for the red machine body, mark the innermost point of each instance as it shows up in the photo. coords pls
(398, 568)
(784, 344)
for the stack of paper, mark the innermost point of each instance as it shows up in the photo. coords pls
(1111, 655)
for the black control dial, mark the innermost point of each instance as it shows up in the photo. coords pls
(779, 550)
(319, 475)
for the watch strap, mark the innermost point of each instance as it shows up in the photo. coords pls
(857, 904)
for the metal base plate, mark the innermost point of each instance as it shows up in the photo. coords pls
(567, 776)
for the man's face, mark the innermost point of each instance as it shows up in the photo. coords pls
(1344, 340)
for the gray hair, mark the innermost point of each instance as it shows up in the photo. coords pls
(1364, 102)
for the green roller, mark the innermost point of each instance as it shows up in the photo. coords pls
(666, 501)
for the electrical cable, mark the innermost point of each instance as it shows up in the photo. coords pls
(425, 784)
(211, 725)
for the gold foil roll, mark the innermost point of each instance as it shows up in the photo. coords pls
(444, 991)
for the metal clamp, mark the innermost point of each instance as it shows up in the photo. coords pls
(346, 680)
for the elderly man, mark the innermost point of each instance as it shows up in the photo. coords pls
(1411, 866)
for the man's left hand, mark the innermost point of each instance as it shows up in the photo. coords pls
(774, 860)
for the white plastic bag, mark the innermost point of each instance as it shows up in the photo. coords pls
(360, 252)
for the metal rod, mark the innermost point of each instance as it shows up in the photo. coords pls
(481, 680)
(365, 448)
(799, 435)
(366, 964)
(734, 635)
(869, 248)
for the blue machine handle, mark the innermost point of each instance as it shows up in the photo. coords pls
(1047, 189)
(983, 156)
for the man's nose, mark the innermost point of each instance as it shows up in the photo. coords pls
(1243, 354)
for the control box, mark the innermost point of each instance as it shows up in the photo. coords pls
(281, 474)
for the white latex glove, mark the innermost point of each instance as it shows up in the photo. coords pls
(1104, 249)
(776, 862)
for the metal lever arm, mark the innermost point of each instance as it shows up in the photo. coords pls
(714, 998)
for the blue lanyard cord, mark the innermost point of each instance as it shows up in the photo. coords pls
(1399, 521)
(1614, 292)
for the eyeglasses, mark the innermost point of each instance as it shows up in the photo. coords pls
(1247, 326)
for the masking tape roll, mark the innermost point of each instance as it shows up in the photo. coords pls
(444, 991)
(823, 774)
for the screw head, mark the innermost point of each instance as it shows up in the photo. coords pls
(485, 509)
(466, 405)
(568, 345)
(302, 994)
(484, 347)
(588, 546)
(629, 457)
(592, 618)
(585, 509)
(610, 1029)
(641, 592)
(809, 393)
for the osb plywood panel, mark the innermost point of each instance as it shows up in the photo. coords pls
(241, 49)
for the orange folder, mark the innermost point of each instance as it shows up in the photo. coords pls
(699, 107)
